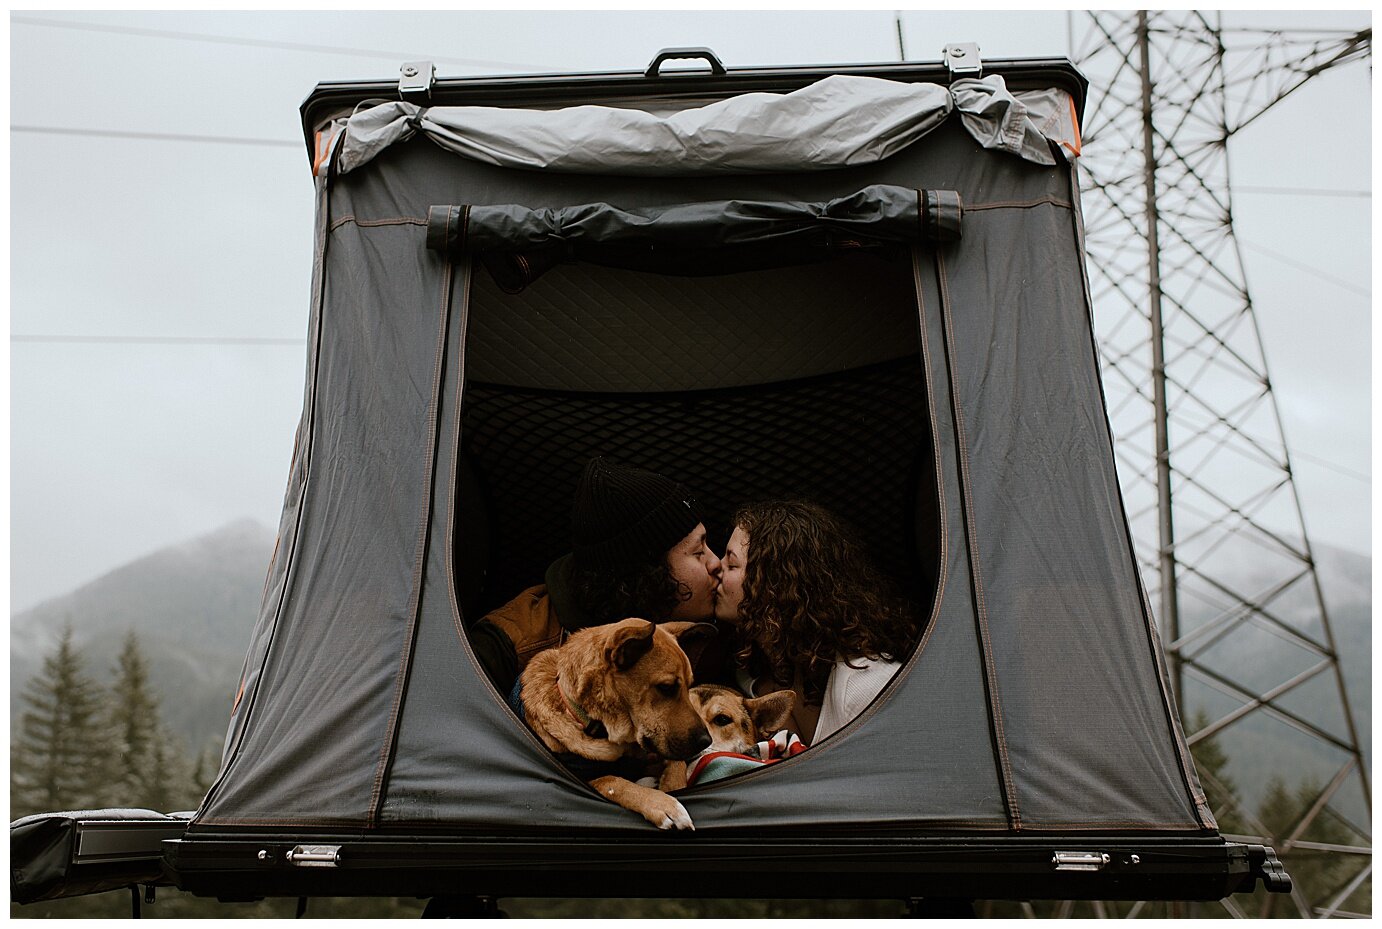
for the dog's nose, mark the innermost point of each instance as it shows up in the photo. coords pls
(700, 742)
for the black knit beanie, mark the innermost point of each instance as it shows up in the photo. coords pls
(626, 518)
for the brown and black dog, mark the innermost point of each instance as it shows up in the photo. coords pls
(736, 723)
(615, 692)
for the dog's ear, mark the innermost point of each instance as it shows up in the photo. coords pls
(630, 641)
(686, 631)
(769, 712)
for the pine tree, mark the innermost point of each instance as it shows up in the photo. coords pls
(204, 773)
(1319, 876)
(57, 760)
(146, 764)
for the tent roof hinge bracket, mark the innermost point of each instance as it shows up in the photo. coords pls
(962, 60)
(415, 81)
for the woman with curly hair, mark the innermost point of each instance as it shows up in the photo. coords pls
(811, 613)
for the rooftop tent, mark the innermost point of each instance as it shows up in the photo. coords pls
(864, 286)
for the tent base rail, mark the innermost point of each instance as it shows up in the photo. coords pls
(75, 853)
(1069, 867)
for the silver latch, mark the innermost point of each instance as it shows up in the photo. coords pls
(415, 80)
(962, 59)
(1080, 861)
(314, 856)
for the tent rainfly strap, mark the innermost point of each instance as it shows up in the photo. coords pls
(518, 244)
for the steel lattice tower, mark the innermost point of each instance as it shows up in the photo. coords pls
(1203, 462)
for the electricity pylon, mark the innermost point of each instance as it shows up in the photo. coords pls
(1203, 462)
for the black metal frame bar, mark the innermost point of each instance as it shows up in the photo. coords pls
(833, 867)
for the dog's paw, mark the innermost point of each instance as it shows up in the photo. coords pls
(675, 817)
(656, 807)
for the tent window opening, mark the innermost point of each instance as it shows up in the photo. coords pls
(792, 381)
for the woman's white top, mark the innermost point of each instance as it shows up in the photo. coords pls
(850, 689)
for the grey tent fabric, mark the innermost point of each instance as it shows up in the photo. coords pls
(1023, 362)
(1021, 124)
(840, 121)
(1034, 702)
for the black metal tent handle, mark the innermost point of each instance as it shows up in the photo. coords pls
(669, 54)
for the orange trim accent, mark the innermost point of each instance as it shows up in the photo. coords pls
(238, 694)
(1074, 128)
(323, 153)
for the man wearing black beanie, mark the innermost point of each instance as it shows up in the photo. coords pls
(638, 549)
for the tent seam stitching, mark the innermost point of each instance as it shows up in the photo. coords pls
(350, 219)
(1020, 204)
(976, 581)
(419, 560)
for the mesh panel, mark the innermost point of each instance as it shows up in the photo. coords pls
(585, 327)
(857, 442)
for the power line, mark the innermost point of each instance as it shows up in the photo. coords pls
(156, 136)
(1301, 266)
(1294, 30)
(1297, 455)
(154, 340)
(253, 340)
(266, 43)
(1304, 191)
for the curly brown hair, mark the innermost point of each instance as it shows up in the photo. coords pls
(811, 597)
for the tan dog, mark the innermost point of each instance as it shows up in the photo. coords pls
(736, 723)
(614, 692)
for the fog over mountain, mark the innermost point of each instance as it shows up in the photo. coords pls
(193, 607)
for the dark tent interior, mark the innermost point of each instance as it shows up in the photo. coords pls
(791, 382)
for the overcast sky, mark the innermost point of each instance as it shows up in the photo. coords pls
(159, 279)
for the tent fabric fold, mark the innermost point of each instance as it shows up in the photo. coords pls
(518, 244)
(840, 121)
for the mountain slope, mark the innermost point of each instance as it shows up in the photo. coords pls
(193, 606)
